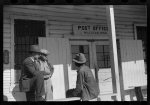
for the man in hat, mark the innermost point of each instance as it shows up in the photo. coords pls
(31, 70)
(48, 68)
(86, 86)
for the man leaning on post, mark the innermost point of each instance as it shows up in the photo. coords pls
(31, 71)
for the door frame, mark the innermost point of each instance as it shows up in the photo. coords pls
(12, 18)
(96, 66)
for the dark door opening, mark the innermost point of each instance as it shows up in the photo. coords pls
(26, 33)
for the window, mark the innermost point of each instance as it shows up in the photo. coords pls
(26, 33)
(103, 57)
(141, 34)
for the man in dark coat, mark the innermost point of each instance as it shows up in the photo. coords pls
(31, 70)
(86, 85)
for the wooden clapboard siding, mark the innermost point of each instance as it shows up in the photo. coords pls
(128, 15)
(66, 9)
(62, 17)
(54, 16)
(59, 27)
(6, 46)
(75, 14)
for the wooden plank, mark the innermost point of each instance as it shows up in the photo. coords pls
(114, 57)
(67, 9)
(80, 9)
(7, 26)
(129, 23)
(60, 27)
(128, 13)
(125, 30)
(6, 20)
(63, 59)
(73, 13)
(49, 13)
(132, 64)
(122, 20)
(55, 57)
(54, 18)
(60, 31)
(125, 34)
(6, 40)
(6, 79)
(6, 35)
(62, 23)
(129, 7)
(7, 30)
(6, 45)
(83, 7)
(68, 99)
(123, 15)
(6, 15)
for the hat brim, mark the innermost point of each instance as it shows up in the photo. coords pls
(45, 54)
(79, 61)
(34, 51)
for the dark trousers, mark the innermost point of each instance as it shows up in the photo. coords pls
(37, 88)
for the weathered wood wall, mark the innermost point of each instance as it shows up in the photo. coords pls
(61, 18)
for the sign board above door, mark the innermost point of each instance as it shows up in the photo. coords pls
(90, 29)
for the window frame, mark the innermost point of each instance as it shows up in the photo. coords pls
(135, 29)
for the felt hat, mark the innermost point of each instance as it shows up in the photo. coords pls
(80, 58)
(34, 48)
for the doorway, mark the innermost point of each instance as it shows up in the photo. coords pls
(26, 33)
(98, 59)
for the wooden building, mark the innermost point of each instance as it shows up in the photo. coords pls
(66, 30)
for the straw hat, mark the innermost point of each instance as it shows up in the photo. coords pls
(44, 51)
(80, 58)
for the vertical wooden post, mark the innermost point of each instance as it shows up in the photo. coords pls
(113, 49)
(138, 93)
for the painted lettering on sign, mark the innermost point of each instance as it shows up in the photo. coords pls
(90, 29)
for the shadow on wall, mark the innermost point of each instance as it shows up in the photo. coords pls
(17, 95)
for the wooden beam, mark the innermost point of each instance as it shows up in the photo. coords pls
(67, 99)
(113, 50)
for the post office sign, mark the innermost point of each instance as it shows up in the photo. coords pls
(89, 29)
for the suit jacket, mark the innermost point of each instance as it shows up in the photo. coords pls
(86, 85)
(30, 68)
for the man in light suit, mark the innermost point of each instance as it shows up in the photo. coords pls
(49, 69)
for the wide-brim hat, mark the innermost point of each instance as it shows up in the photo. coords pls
(80, 58)
(44, 51)
(34, 48)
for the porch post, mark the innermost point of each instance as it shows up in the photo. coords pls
(113, 50)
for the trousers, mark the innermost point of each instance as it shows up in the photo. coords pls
(48, 89)
(37, 90)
